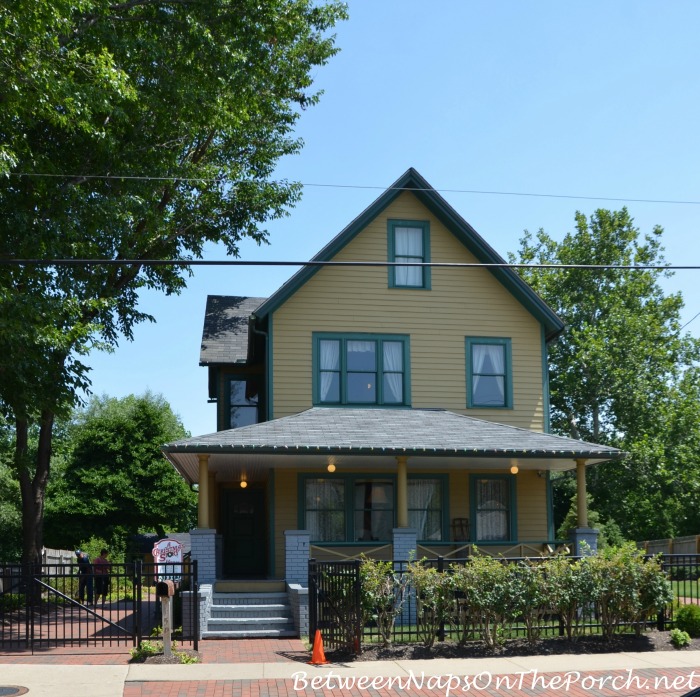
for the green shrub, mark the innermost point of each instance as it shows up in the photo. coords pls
(433, 597)
(571, 587)
(531, 593)
(11, 602)
(383, 594)
(679, 638)
(687, 619)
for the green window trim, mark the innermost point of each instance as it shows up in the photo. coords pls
(349, 483)
(381, 371)
(424, 227)
(246, 405)
(506, 374)
(512, 508)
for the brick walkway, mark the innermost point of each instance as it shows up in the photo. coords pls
(232, 655)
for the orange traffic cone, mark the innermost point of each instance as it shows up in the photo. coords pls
(318, 658)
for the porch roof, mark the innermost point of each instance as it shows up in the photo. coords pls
(374, 437)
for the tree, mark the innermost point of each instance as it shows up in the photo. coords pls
(130, 132)
(115, 481)
(622, 373)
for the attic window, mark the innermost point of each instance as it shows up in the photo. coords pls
(409, 242)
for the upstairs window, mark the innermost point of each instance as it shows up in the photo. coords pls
(243, 402)
(360, 369)
(409, 241)
(489, 373)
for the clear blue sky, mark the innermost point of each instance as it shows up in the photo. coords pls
(590, 99)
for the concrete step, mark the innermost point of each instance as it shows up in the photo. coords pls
(250, 586)
(242, 634)
(249, 598)
(271, 610)
(220, 624)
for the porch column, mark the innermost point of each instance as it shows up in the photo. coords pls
(402, 492)
(585, 539)
(203, 498)
(581, 494)
(213, 498)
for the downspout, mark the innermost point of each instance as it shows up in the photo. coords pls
(253, 329)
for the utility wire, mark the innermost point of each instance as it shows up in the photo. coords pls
(220, 180)
(241, 262)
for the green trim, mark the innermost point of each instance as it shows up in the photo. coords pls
(422, 225)
(271, 522)
(317, 337)
(465, 233)
(269, 406)
(545, 386)
(550, 507)
(349, 480)
(227, 377)
(471, 341)
(512, 503)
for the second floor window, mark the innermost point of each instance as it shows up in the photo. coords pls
(489, 373)
(360, 369)
(243, 402)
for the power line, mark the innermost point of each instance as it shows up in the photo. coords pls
(689, 321)
(241, 262)
(483, 192)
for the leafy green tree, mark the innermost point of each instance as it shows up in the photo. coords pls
(115, 481)
(130, 132)
(622, 373)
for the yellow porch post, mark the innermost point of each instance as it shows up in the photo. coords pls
(402, 492)
(581, 495)
(213, 499)
(203, 497)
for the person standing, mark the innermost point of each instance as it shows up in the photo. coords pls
(84, 576)
(102, 567)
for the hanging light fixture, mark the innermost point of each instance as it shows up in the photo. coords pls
(514, 469)
(331, 464)
(244, 483)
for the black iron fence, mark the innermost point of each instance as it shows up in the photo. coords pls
(52, 605)
(335, 604)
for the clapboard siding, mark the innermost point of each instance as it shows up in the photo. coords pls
(461, 303)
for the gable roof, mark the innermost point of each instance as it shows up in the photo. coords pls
(448, 216)
(225, 332)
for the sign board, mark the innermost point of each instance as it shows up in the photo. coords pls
(167, 555)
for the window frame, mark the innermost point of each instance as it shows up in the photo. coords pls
(343, 338)
(422, 225)
(350, 480)
(512, 508)
(506, 343)
(240, 377)
(443, 483)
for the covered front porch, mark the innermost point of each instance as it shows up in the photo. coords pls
(257, 486)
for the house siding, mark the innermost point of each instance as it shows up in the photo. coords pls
(461, 303)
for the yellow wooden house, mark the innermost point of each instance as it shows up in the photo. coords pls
(390, 399)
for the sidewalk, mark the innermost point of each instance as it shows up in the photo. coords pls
(279, 668)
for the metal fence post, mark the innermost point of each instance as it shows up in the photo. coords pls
(441, 570)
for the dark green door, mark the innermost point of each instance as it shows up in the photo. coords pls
(244, 529)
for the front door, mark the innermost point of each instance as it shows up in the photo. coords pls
(244, 530)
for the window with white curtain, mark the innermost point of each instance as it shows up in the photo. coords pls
(360, 369)
(489, 371)
(425, 508)
(324, 506)
(492, 501)
(409, 242)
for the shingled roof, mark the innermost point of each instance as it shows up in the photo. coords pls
(429, 434)
(225, 333)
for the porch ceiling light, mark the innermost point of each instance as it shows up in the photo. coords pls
(244, 483)
(514, 469)
(331, 464)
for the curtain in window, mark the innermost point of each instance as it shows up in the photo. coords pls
(330, 370)
(424, 508)
(374, 510)
(492, 509)
(408, 246)
(325, 509)
(393, 372)
(488, 374)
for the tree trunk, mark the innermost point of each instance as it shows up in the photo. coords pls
(33, 488)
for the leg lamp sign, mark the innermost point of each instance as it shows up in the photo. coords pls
(167, 555)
